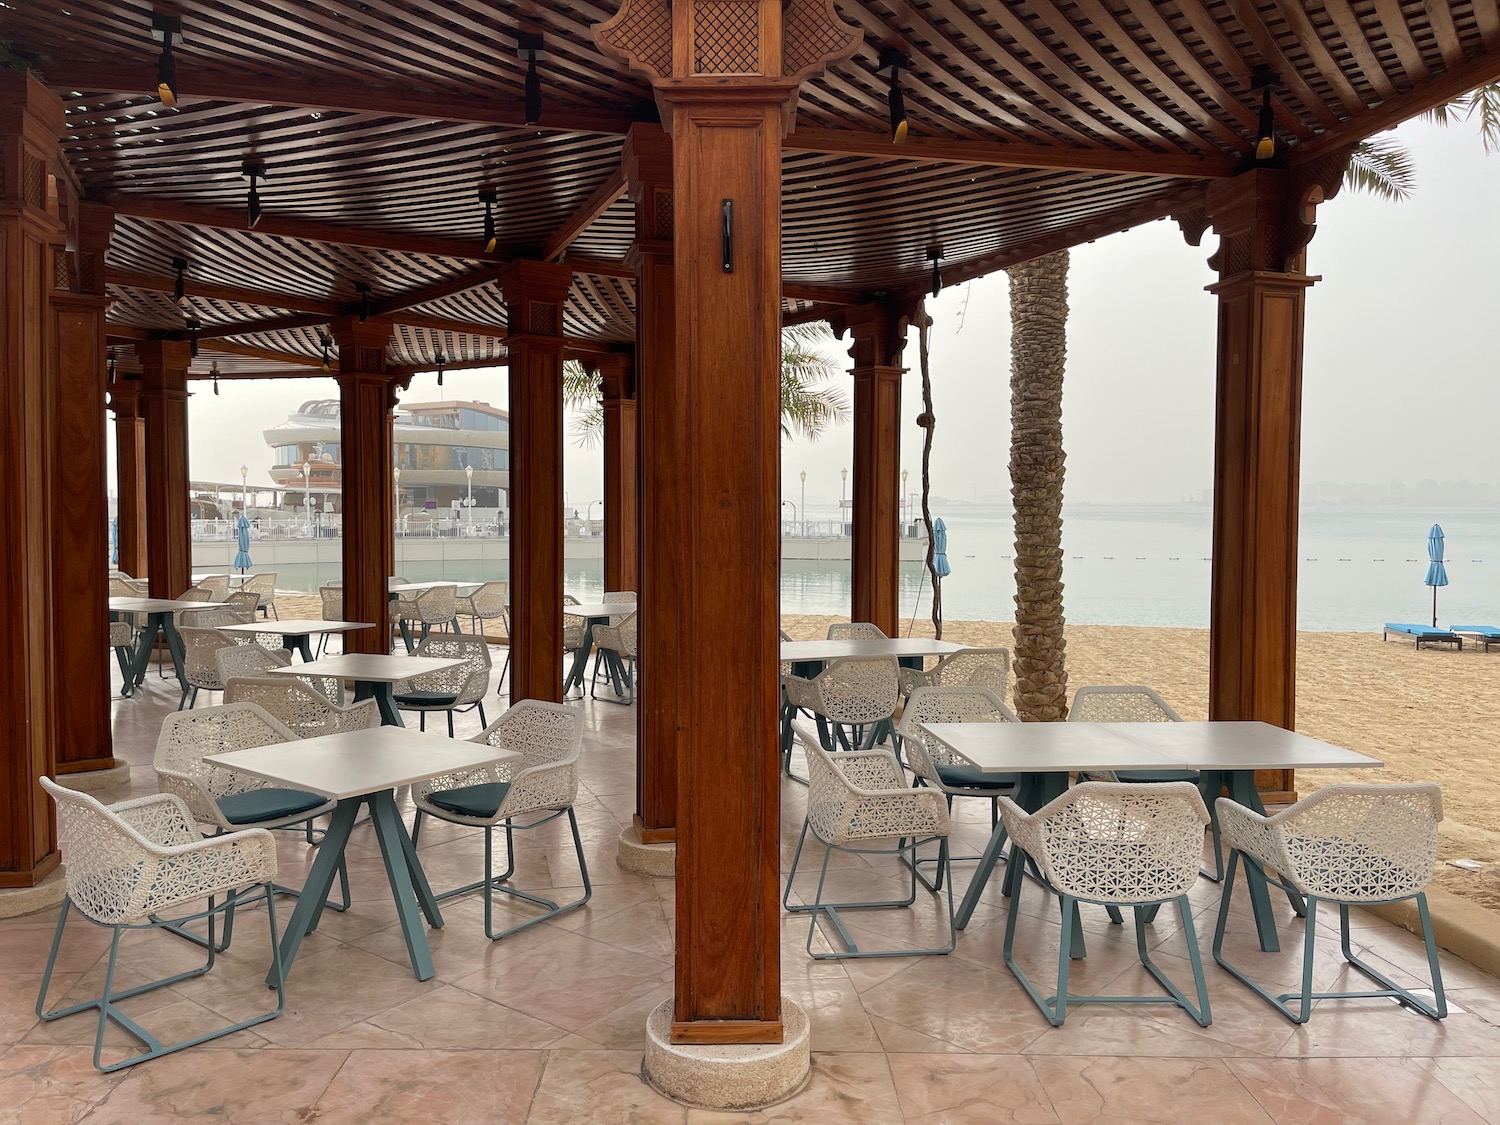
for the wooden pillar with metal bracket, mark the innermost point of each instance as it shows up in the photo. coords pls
(616, 372)
(164, 398)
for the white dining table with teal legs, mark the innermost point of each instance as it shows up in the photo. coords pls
(160, 621)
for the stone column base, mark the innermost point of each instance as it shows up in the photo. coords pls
(28, 900)
(738, 1076)
(659, 861)
(91, 781)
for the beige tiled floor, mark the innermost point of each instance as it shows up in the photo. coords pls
(547, 1026)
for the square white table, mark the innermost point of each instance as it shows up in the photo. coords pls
(373, 674)
(593, 613)
(396, 589)
(295, 631)
(355, 768)
(160, 614)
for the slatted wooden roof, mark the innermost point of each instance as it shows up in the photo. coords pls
(1035, 124)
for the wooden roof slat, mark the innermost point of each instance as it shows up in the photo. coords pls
(1398, 35)
(1273, 56)
(137, 280)
(1353, 36)
(599, 201)
(1311, 42)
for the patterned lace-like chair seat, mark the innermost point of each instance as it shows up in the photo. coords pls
(1347, 845)
(1117, 845)
(970, 667)
(858, 692)
(541, 787)
(200, 664)
(304, 711)
(264, 585)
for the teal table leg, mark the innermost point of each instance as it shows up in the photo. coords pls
(388, 833)
(297, 642)
(580, 659)
(1241, 786)
(142, 656)
(385, 701)
(406, 636)
(174, 646)
(319, 882)
(425, 898)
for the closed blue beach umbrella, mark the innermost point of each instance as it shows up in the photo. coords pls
(1437, 573)
(940, 548)
(114, 541)
(242, 561)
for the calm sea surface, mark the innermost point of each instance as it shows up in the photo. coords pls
(1148, 565)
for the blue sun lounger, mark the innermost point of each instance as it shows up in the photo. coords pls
(1485, 635)
(1422, 634)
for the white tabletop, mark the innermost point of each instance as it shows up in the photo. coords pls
(1240, 746)
(360, 761)
(296, 626)
(419, 587)
(894, 646)
(372, 668)
(159, 605)
(1049, 747)
(599, 609)
(237, 579)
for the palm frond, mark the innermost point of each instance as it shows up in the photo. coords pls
(1482, 102)
(1383, 168)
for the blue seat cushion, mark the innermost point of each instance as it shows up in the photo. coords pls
(1418, 630)
(971, 777)
(1136, 777)
(478, 801)
(1477, 630)
(427, 699)
(255, 806)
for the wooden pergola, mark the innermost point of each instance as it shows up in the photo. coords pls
(676, 182)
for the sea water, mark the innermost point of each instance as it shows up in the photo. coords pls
(1136, 565)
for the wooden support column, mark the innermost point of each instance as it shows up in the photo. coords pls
(80, 512)
(164, 396)
(130, 475)
(647, 160)
(621, 466)
(878, 334)
(1264, 220)
(367, 403)
(534, 295)
(728, 89)
(31, 242)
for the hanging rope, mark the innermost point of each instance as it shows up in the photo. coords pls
(927, 422)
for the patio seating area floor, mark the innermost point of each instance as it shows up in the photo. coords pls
(548, 1025)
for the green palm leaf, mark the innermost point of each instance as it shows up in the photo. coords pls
(1383, 168)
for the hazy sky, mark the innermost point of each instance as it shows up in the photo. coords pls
(1400, 378)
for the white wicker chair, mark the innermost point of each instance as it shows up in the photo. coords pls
(246, 602)
(436, 605)
(1120, 703)
(970, 667)
(200, 664)
(616, 648)
(856, 631)
(485, 604)
(217, 586)
(937, 766)
(307, 713)
(248, 660)
(265, 586)
(128, 864)
(192, 594)
(1117, 845)
(452, 689)
(331, 598)
(122, 639)
(543, 785)
(857, 692)
(212, 618)
(1349, 845)
(860, 797)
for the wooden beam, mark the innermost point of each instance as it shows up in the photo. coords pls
(1387, 115)
(1002, 155)
(266, 324)
(434, 291)
(580, 220)
(463, 365)
(806, 316)
(287, 373)
(232, 348)
(133, 279)
(600, 267)
(449, 324)
(824, 294)
(259, 89)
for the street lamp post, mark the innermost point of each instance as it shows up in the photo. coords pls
(469, 472)
(307, 494)
(793, 507)
(588, 513)
(396, 476)
(245, 491)
(803, 475)
(843, 500)
(906, 514)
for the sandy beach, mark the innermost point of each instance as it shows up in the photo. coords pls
(1432, 715)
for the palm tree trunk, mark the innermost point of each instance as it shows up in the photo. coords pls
(1038, 351)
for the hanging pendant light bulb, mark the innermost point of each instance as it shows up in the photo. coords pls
(488, 196)
(363, 289)
(441, 359)
(193, 325)
(894, 61)
(214, 372)
(529, 47)
(111, 365)
(179, 287)
(166, 30)
(1262, 79)
(935, 256)
(326, 343)
(252, 201)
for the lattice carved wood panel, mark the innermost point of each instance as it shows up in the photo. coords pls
(726, 37)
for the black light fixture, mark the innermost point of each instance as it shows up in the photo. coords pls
(1262, 78)
(193, 324)
(111, 365)
(255, 171)
(529, 47)
(363, 289)
(894, 61)
(441, 359)
(166, 30)
(179, 287)
(488, 197)
(935, 256)
(214, 371)
(326, 344)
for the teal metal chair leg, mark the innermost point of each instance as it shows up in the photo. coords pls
(1305, 996)
(107, 1003)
